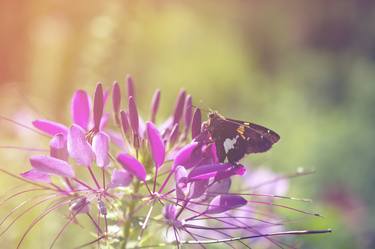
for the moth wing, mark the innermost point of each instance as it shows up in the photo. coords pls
(251, 138)
(220, 151)
(229, 143)
(256, 143)
(239, 150)
(270, 135)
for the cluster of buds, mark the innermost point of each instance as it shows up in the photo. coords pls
(150, 184)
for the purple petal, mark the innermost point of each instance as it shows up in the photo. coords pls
(220, 187)
(183, 157)
(181, 174)
(104, 121)
(198, 188)
(51, 165)
(181, 182)
(133, 116)
(98, 106)
(188, 112)
(179, 108)
(124, 121)
(116, 101)
(222, 203)
(120, 178)
(165, 127)
(196, 123)
(156, 144)
(78, 147)
(36, 176)
(50, 127)
(142, 128)
(155, 105)
(116, 138)
(208, 171)
(81, 109)
(235, 170)
(132, 165)
(130, 84)
(58, 147)
(100, 146)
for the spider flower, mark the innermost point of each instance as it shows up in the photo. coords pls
(131, 178)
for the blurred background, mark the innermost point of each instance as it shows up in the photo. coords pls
(305, 69)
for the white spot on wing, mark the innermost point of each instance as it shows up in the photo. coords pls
(229, 144)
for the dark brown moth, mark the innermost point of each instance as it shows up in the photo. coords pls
(234, 139)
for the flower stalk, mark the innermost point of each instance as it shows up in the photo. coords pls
(130, 214)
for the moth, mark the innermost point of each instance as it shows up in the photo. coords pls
(234, 138)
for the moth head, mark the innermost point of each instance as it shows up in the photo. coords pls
(213, 115)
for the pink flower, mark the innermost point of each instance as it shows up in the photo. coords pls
(127, 175)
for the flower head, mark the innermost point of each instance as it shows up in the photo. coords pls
(138, 175)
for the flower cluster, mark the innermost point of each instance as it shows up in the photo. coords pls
(150, 184)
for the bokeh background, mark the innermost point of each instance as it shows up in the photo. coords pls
(303, 68)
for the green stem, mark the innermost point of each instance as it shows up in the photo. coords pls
(129, 216)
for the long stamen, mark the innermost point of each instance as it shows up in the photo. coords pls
(95, 223)
(25, 212)
(166, 181)
(103, 178)
(65, 226)
(145, 222)
(22, 125)
(90, 243)
(38, 219)
(23, 148)
(301, 232)
(260, 195)
(194, 237)
(289, 176)
(94, 177)
(155, 178)
(19, 193)
(83, 184)
(25, 180)
(219, 220)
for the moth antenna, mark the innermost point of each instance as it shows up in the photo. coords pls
(204, 109)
